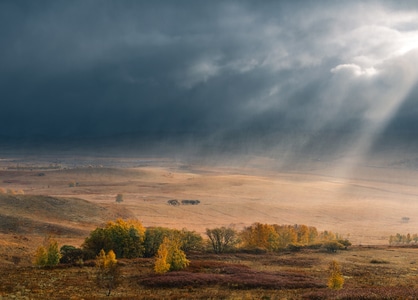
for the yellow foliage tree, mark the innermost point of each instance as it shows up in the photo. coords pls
(327, 236)
(41, 256)
(303, 234)
(260, 236)
(286, 235)
(313, 234)
(170, 257)
(107, 270)
(335, 279)
(48, 254)
(161, 265)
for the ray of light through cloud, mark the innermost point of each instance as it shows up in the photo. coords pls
(296, 81)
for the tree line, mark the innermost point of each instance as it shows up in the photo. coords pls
(130, 239)
(403, 239)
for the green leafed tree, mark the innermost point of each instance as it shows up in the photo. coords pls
(125, 238)
(53, 253)
(154, 236)
(190, 241)
(71, 255)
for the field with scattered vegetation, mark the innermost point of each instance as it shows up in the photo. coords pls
(369, 273)
(54, 220)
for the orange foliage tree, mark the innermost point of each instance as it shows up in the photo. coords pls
(260, 236)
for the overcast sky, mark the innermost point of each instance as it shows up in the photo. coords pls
(208, 68)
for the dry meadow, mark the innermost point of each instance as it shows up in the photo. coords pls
(67, 201)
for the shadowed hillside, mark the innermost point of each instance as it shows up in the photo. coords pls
(27, 214)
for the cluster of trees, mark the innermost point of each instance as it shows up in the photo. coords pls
(124, 238)
(403, 239)
(273, 237)
(130, 239)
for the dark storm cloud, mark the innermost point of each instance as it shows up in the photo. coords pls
(216, 69)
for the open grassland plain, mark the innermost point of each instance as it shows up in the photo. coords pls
(67, 201)
(366, 208)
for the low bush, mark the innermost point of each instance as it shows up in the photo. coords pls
(379, 261)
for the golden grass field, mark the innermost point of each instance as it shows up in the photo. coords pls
(366, 208)
(68, 201)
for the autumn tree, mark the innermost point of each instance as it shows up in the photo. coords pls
(170, 257)
(125, 238)
(48, 254)
(161, 265)
(327, 236)
(222, 239)
(286, 234)
(345, 242)
(41, 256)
(335, 279)
(107, 271)
(313, 234)
(262, 236)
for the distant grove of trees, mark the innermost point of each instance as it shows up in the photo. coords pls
(130, 239)
(403, 239)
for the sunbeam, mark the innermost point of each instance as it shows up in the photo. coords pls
(383, 102)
